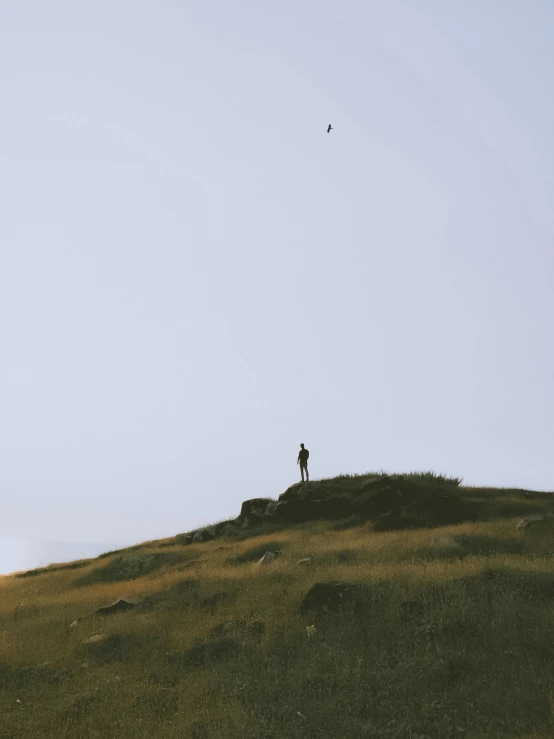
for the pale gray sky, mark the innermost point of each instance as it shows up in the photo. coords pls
(195, 277)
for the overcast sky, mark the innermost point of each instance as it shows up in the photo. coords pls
(195, 277)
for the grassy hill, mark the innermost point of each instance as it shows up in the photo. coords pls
(451, 633)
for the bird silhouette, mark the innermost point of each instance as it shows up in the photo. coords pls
(330, 128)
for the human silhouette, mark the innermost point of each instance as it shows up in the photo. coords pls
(330, 128)
(302, 460)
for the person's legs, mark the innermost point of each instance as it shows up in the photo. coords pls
(307, 475)
(302, 471)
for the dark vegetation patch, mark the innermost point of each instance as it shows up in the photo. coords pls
(130, 567)
(255, 553)
(328, 603)
(55, 568)
(435, 509)
(115, 647)
(334, 597)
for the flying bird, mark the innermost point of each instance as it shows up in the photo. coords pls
(330, 128)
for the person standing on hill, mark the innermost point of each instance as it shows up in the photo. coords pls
(302, 460)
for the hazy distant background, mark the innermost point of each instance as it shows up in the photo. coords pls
(195, 277)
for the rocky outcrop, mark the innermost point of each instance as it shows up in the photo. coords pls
(390, 502)
(253, 509)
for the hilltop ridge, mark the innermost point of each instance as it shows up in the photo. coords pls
(383, 501)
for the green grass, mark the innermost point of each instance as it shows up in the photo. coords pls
(457, 639)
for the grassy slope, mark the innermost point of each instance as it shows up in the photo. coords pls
(473, 659)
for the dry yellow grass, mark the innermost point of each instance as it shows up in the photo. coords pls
(475, 659)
